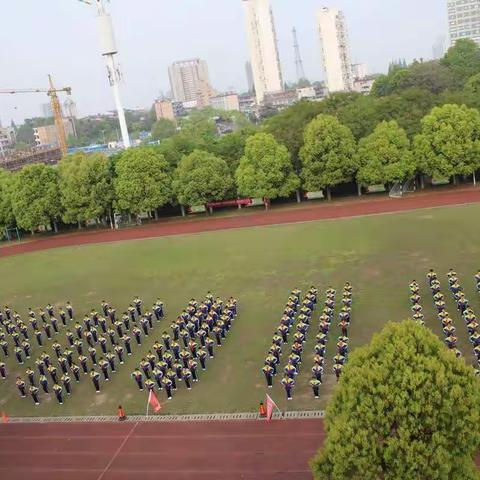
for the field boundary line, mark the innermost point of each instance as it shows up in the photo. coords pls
(204, 417)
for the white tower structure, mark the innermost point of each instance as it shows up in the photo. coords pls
(337, 65)
(262, 40)
(109, 51)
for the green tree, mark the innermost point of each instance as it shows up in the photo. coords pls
(35, 196)
(86, 189)
(405, 408)
(406, 107)
(449, 142)
(473, 84)
(381, 86)
(201, 177)
(6, 212)
(230, 147)
(328, 154)
(463, 60)
(163, 129)
(288, 126)
(385, 156)
(360, 116)
(143, 182)
(266, 169)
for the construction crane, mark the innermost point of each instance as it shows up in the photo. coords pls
(52, 92)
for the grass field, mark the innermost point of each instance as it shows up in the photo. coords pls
(379, 255)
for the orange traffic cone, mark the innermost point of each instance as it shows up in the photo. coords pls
(4, 417)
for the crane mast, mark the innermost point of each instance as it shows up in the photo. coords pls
(57, 114)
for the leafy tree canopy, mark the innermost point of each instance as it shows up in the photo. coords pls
(163, 129)
(201, 177)
(328, 154)
(34, 196)
(266, 169)
(86, 189)
(7, 218)
(449, 142)
(463, 59)
(405, 408)
(143, 181)
(385, 156)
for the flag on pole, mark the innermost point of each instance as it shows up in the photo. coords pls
(153, 401)
(270, 404)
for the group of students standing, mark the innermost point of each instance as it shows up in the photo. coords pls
(195, 333)
(305, 310)
(99, 344)
(462, 305)
(324, 326)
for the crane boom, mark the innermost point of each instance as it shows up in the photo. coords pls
(52, 92)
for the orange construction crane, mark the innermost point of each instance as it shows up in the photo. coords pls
(52, 92)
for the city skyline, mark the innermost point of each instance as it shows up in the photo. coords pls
(188, 30)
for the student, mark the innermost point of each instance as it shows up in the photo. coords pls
(137, 376)
(21, 387)
(95, 376)
(57, 389)
(288, 384)
(315, 384)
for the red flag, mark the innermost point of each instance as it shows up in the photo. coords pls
(270, 404)
(153, 401)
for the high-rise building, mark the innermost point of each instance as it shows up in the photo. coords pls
(262, 41)
(46, 110)
(464, 20)
(438, 48)
(189, 79)
(250, 81)
(335, 48)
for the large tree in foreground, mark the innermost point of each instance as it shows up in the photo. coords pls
(405, 408)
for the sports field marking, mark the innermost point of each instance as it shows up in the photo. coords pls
(117, 453)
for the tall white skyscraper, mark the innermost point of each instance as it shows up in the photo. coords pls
(464, 20)
(189, 80)
(262, 41)
(335, 48)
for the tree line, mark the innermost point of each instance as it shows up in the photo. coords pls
(422, 124)
(91, 187)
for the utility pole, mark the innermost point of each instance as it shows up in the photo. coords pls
(298, 58)
(109, 51)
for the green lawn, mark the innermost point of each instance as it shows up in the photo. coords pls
(379, 255)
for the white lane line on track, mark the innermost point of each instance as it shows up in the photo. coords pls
(117, 452)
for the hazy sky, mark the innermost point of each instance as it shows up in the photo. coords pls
(38, 37)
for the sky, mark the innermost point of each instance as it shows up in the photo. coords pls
(38, 37)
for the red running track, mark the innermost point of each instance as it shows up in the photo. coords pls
(229, 450)
(320, 211)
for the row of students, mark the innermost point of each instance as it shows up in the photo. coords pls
(294, 360)
(207, 325)
(443, 315)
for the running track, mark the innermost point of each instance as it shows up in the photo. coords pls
(215, 450)
(309, 212)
